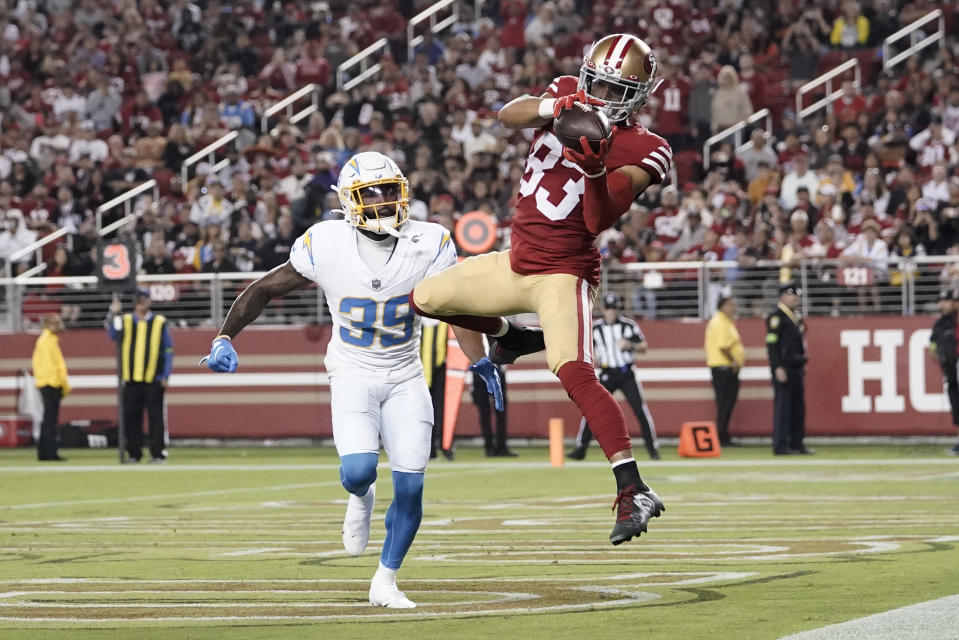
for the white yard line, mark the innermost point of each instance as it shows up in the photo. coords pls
(932, 620)
(801, 462)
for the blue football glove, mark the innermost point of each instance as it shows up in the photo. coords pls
(490, 374)
(222, 358)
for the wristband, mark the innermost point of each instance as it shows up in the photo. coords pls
(546, 106)
(596, 175)
(223, 335)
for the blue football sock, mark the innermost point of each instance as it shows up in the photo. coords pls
(402, 518)
(358, 472)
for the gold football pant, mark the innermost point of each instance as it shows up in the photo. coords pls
(486, 285)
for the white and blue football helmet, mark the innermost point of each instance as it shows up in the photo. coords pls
(374, 193)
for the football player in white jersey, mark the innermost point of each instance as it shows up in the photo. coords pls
(367, 265)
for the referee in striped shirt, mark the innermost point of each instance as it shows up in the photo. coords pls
(616, 339)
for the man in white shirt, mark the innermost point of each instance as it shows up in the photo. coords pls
(938, 186)
(293, 186)
(16, 236)
(87, 143)
(800, 176)
(213, 207)
(69, 101)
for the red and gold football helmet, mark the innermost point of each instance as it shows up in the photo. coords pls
(627, 66)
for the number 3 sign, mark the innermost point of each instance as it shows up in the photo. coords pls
(116, 270)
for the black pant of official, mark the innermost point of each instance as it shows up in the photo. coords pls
(951, 376)
(47, 443)
(484, 405)
(137, 398)
(623, 379)
(789, 412)
(726, 389)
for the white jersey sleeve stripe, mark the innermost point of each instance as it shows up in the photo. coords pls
(661, 158)
(654, 165)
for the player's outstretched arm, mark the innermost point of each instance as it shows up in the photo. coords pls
(527, 112)
(471, 342)
(530, 112)
(246, 308)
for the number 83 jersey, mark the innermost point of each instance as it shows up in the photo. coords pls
(549, 234)
(375, 333)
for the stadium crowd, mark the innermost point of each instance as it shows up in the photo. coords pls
(98, 96)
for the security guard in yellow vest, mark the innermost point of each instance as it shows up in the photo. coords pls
(146, 359)
(433, 355)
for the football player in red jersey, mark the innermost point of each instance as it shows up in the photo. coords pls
(566, 198)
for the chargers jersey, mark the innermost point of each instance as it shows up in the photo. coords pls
(549, 233)
(375, 333)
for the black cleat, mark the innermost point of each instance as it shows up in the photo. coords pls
(532, 343)
(579, 453)
(448, 454)
(633, 511)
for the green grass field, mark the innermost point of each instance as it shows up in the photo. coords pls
(245, 543)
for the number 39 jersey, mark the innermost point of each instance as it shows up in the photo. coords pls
(549, 233)
(375, 333)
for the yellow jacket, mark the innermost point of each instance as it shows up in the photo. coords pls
(862, 30)
(49, 367)
(722, 335)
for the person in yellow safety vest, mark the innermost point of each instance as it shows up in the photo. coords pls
(146, 359)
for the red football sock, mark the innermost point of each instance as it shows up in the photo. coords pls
(482, 324)
(602, 412)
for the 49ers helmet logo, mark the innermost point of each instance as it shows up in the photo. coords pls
(649, 63)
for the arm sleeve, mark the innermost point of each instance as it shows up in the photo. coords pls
(562, 86)
(247, 117)
(607, 197)
(304, 253)
(445, 256)
(114, 325)
(166, 346)
(773, 334)
(636, 336)
(61, 365)
(837, 27)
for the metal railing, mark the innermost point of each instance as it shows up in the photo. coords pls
(35, 248)
(287, 103)
(208, 152)
(126, 199)
(915, 44)
(343, 79)
(194, 299)
(678, 290)
(831, 96)
(736, 131)
(436, 25)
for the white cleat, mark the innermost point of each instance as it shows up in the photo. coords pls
(386, 594)
(356, 524)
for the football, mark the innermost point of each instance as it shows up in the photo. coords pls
(582, 120)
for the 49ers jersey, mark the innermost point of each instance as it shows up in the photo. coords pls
(549, 234)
